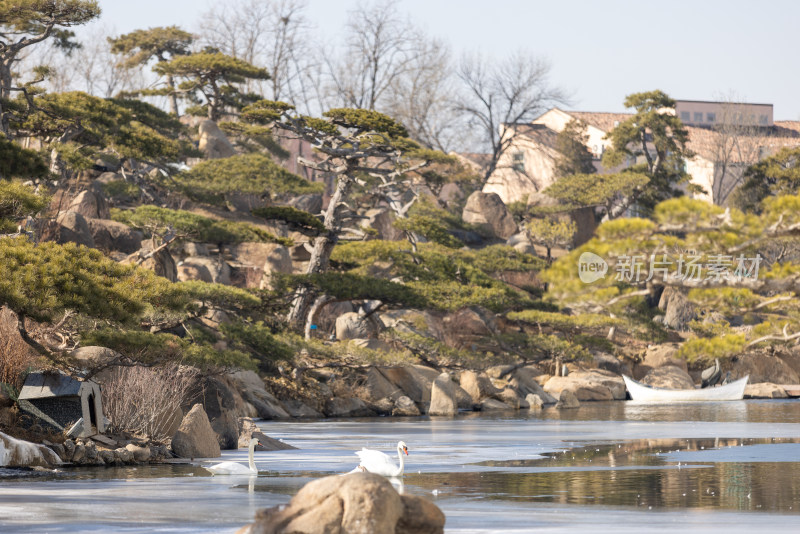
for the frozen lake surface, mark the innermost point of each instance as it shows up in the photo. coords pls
(605, 467)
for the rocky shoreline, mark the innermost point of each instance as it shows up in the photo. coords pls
(219, 412)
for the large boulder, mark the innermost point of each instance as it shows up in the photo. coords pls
(613, 382)
(413, 380)
(584, 387)
(18, 453)
(195, 438)
(219, 402)
(325, 318)
(381, 220)
(764, 390)
(679, 311)
(356, 326)
(310, 202)
(791, 356)
(478, 386)
(300, 410)
(214, 270)
(658, 356)
(111, 235)
(357, 503)
(568, 400)
(668, 377)
(472, 329)
(347, 407)
(523, 380)
(94, 357)
(249, 430)
(404, 406)
(69, 227)
(494, 405)
(376, 386)
(487, 211)
(213, 141)
(90, 204)
(763, 367)
(443, 396)
(277, 261)
(160, 262)
(253, 391)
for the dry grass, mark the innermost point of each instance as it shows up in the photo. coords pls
(16, 356)
(144, 401)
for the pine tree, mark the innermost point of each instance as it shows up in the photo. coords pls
(139, 47)
(213, 76)
(574, 156)
(657, 136)
(25, 23)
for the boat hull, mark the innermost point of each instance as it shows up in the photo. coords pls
(643, 393)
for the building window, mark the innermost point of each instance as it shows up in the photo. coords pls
(711, 117)
(763, 120)
(698, 116)
(518, 161)
(686, 116)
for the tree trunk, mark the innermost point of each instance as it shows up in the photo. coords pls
(323, 246)
(173, 97)
(5, 93)
(320, 303)
(215, 104)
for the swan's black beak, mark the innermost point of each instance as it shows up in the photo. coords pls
(405, 450)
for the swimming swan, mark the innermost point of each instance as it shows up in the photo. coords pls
(235, 468)
(380, 463)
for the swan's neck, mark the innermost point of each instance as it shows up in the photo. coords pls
(250, 460)
(402, 461)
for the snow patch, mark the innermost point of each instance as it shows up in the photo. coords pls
(18, 453)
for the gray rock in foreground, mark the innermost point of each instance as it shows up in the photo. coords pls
(357, 503)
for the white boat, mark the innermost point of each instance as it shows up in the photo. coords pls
(644, 393)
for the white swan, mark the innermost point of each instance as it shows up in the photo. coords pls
(380, 463)
(235, 468)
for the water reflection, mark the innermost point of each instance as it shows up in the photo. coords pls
(636, 473)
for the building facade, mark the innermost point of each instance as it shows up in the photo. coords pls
(725, 138)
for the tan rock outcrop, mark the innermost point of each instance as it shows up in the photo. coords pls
(764, 390)
(195, 438)
(357, 503)
(443, 396)
(213, 141)
(668, 377)
(487, 211)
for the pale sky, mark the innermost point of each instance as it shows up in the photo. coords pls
(600, 51)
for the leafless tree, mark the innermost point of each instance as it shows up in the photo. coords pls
(498, 93)
(420, 97)
(274, 35)
(90, 68)
(381, 46)
(736, 145)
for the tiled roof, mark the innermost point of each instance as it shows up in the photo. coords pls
(601, 121)
(705, 142)
(538, 132)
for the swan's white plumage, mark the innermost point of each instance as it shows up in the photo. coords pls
(382, 464)
(235, 468)
(230, 468)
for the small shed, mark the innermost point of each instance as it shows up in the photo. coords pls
(61, 401)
